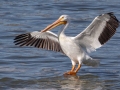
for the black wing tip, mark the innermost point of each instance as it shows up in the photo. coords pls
(111, 25)
(111, 14)
(108, 13)
(45, 43)
(21, 37)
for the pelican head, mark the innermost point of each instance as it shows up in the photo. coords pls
(63, 19)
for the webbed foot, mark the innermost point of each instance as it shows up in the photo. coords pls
(70, 73)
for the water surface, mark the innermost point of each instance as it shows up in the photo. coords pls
(28, 68)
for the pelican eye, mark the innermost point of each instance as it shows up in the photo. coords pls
(62, 18)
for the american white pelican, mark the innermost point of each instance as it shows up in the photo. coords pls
(101, 29)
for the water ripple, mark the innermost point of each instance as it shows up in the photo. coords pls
(23, 68)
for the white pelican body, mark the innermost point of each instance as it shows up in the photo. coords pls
(76, 48)
(76, 53)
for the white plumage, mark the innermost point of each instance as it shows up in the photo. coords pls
(101, 29)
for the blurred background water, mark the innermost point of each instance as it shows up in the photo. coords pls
(28, 68)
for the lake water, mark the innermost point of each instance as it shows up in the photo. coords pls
(29, 68)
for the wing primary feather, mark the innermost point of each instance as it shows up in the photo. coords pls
(53, 46)
(47, 44)
(40, 43)
(21, 39)
(57, 47)
(44, 44)
(25, 43)
(37, 41)
(20, 36)
(32, 41)
(101, 29)
(50, 44)
(49, 41)
(109, 29)
(28, 42)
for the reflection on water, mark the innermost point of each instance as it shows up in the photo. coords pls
(81, 83)
(27, 68)
(85, 82)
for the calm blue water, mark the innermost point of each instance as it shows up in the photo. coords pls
(28, 68)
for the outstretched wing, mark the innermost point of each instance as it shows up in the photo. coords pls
(46, 40)
(101, 29)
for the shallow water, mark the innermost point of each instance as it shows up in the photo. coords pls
(26, 68)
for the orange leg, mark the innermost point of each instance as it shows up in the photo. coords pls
(73, 68)
(77, 69)
(73, 71)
